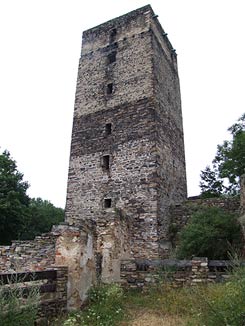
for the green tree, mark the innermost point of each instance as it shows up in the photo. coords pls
(22, 218)
(42, 216)
(211, 232)
(14, 201)
(228, 165)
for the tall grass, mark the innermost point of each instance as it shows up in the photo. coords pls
(17, 306)
(220, 304)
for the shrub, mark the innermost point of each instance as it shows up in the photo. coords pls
(211, 232)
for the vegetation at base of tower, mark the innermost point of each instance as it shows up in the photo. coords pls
(220, 304)
(211, 232)
(20, 216)
(228, 165)
(104, 309)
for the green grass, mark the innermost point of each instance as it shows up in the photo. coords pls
(211, 305)
(104, 309)
(17, 308)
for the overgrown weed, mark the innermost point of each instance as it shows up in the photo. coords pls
(104, 309)
(18, 305)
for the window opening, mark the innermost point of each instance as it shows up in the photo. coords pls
(111, 57)
(107, 203)
(109, 88)
(105, 162)
(108, 129)
(113, 34)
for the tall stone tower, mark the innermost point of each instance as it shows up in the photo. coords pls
(127, 162)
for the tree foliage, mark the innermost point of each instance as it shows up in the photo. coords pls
(211, 232)
(20, 216)
(228, 165)
(42, 216)
(14, 201)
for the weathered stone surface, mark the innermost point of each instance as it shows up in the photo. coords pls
(176, 272)
(52, 284)
(124, 180)
(28, 255)
(74, 248)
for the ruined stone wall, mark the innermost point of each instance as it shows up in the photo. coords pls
(52, 285)
(63, 246)
(75, 249)
(141, 274)
(114, 243)
(28, 255)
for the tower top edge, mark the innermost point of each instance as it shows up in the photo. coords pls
(120, 19)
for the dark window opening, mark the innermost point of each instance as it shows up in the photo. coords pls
(113, 34)
(142, 266)
(107, 203)
(108, 129)
(111, 57)
(109, 88)
(105, 162)
(98, 260)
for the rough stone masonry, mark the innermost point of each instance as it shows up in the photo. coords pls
(127, 162)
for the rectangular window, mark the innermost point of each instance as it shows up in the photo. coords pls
(111, 57)
(105, 162)
(108, 129)
(109, 88)
(107, 203)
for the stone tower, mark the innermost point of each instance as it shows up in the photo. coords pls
(127, 162)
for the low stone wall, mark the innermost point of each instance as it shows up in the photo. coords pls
(52, 284)
(65, 245)
(28, 255)
(144, 273)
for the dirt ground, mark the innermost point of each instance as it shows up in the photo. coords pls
(148, 318)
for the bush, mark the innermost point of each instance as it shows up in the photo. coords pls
(211, 232)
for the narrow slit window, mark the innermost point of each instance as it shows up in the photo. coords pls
(109, 89)
(108, 129)
(111, 57)
(113, 34)
(107, 203)
(105, 162)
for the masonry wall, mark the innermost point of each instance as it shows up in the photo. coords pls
(148, 273)
(65, 245)
(51, 284)
(170, 140)
(133, 182)
(28, 255)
